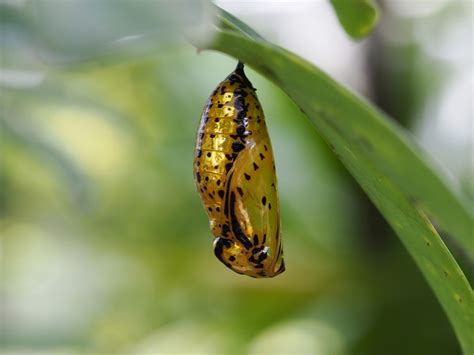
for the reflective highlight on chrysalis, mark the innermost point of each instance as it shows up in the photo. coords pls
(235, 176)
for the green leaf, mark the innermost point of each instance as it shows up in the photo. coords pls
(422, 241)
(116, 30)
(384, 160)
(357, 17)
(389, 146)
(231, 22)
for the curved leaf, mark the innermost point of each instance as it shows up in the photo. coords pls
(385, 161)
(388, 144)
(233, 23)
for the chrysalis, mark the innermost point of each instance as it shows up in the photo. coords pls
(235, 175)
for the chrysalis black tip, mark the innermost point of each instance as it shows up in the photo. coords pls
(240, 68)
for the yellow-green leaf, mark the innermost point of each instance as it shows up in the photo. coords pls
(357, 17)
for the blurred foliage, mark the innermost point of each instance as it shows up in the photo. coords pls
(105, 245)
(357, 17)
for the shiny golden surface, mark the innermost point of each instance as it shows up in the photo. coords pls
(235, 176)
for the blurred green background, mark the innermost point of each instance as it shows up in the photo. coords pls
(105, 246)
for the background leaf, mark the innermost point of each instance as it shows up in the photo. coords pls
(73, 32)
(357, 17)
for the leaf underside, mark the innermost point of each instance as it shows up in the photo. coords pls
(381, 157)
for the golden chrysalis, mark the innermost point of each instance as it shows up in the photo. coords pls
(235, 175)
